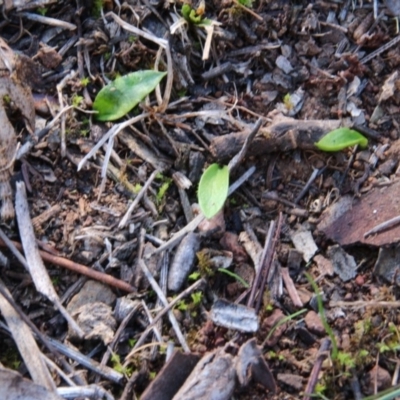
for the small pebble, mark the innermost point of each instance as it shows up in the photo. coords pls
(377, 375)
(360, 280)
(293, 381)
(314, 323)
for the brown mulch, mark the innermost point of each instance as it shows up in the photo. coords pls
(302, 69)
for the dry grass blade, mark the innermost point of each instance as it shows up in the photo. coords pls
(90, 364)
(164, 300)
(60, 87)
(48, 21)
(139, 196)
(92, 392)
(26, 344)
(111, 133)
(175, 301)
(362, 304)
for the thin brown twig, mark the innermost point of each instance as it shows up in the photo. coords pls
(385, 47)
(78, 268)
(269, 260)
(361, 304)
(390, 223)
(251, 12)
(60, 87)
(239, 156)
(312, 381)
(139, 196)
(256, 282)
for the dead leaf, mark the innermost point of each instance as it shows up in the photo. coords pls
(14, 386)
(16, 96)
(347, 221)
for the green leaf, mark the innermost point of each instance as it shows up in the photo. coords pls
(213, 189)
(196, 298)
(121, 96)
(340, 139)
(191, 16)
(194, 276)
(233, 275)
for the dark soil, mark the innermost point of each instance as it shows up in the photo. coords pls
(262, 59)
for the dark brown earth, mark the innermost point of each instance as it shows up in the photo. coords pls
(304, 69)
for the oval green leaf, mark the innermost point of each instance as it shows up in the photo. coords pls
(119, 97)
(213, 189)
(340, 139)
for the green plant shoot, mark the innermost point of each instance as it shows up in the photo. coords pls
(233, 275)
(194, 276)
(340, 139)
(76, 100)
(193, 17)
(283, 321)
(196, 298)
(213, 189)
(246, 3)
(163, 189)
(321, 312)
(122, 95)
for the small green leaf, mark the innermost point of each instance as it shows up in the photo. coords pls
(246, 3)
(340, 139)
(196, 298)
(121, 96)
(194, 276)
(191, 16)
(213, 189)
(233, 275)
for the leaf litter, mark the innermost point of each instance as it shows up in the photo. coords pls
(252, 84)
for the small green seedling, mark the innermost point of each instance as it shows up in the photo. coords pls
(321, 312)
(85, 81)
(194, 276)
(340, 139)
(120, 96)
(42, 11)
(213, 189)
(183, 305)
(76, 100)
(346, 360)
(235, 276)
(196, 298)
(246, 3)
(117, 365)
(131, 342)
(194, 17)
(97, 6)
(287, 101)
(388, 394)
(137, 188)
(283, 321)
(6, 99)
(163, 189)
